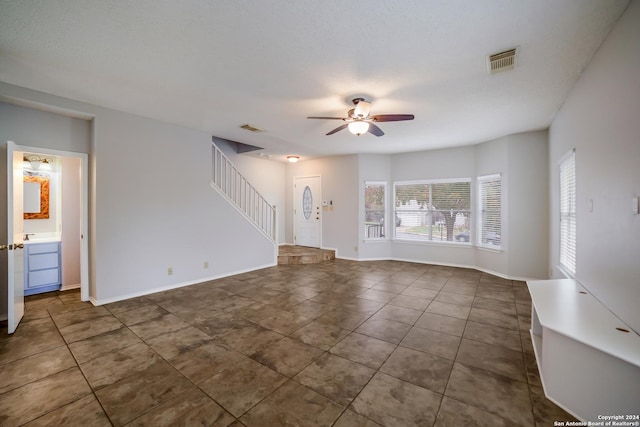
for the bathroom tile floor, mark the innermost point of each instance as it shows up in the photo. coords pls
(338, 343)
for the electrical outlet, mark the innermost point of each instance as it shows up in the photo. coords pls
(206, 264)
(170, 271)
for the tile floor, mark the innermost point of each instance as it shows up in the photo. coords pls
(339, 343)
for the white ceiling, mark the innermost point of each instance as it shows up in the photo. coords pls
(216, 65)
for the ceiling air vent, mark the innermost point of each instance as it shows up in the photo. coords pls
(502, 61)
(251, 128)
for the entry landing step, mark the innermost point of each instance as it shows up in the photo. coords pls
(288, 254)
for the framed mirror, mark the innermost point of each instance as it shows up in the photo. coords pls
(36, 196)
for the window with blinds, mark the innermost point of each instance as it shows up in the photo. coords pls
(374, 209)
(490, 207)
(436, 211)
(568, 213)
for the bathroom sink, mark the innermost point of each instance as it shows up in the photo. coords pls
(42, 239)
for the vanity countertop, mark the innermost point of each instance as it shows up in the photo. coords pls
(42, 240)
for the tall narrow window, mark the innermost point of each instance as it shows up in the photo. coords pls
(568, 213)
(374, 209)
(490, 217)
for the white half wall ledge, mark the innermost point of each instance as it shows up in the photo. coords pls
(98, 302)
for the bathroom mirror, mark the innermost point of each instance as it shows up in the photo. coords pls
(36, 197)
(31, 197)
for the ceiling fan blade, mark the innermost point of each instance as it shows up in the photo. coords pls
(327, 118)
(392, 117)
(338, 129)
(373, 129)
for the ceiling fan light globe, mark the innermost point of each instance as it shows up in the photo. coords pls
(358, 127)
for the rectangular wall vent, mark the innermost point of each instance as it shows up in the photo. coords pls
(501, 61)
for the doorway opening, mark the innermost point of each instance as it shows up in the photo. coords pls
(48, 211)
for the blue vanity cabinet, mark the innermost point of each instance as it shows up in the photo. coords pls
(42, 267)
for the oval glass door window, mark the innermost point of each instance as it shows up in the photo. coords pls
(307, 202)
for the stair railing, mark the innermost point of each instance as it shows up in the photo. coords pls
(229, 182)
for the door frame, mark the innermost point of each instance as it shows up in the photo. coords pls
(15, 244)
(295, 208)
(84, 208)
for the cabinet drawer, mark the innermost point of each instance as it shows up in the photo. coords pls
(42, 261)
(40, 248)
(44, 277)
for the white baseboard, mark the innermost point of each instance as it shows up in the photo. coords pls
(95, 301)
(349, 258)
(70, 287)
(372, 259)
(447, 264)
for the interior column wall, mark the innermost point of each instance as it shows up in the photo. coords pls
(600, 120)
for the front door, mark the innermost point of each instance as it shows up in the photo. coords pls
(307, 211)
(15, 244)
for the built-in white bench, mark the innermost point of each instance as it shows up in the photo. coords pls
(589, 360)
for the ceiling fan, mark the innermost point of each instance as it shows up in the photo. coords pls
(359, 120)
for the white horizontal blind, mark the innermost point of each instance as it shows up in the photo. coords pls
(568, 213)
(433, 210)
(412, 214)
(490, 221)
(374, 209)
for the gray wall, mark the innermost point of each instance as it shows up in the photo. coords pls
(527, 200)
(601, 120)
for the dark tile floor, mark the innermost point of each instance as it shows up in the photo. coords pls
(339, 343)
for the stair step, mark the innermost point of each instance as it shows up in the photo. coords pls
(292, 255)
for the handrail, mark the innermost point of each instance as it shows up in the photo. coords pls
(226, 178)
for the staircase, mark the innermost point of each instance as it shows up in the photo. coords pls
(229, 182)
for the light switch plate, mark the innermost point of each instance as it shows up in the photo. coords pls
(634, 205)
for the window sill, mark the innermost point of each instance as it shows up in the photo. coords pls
(376, 241)
(490, 249)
